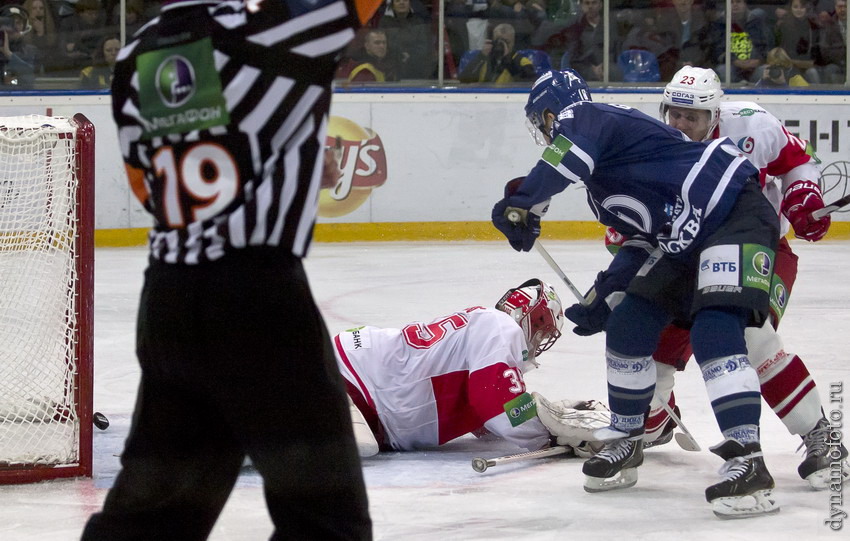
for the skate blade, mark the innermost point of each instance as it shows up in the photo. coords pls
(823, 479)
(756, 504)
(624, 479)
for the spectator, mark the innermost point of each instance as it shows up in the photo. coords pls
(583, 41)
(409, 34)
(750, 42)
(17, 59)
(498, 61)
(685, 30)
(466, 25)
(81, 33)
(780, 71)
(43, 36)
(797, 33)
(373, 64)
(833, 45)
(638, 30)
(99, 74)
(524, 15)
(559, 15)
(134, 19)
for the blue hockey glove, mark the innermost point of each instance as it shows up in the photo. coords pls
(589, 319)
(520, 234)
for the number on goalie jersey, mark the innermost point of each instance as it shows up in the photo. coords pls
(428, 383)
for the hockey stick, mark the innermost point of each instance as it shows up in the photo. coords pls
(684, 438)
(832, 207)
(517, 215)
(481, 464)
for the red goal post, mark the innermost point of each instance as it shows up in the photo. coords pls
(46, 297)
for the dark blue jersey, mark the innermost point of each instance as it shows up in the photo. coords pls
(642, 176)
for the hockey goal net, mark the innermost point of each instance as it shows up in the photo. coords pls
(46, 294)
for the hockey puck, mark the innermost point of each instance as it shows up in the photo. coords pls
(100, 420)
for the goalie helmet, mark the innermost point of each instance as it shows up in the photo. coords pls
(551, 93)
(537, 309)
(694, 88)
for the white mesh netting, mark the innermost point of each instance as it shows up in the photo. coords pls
(38, 420)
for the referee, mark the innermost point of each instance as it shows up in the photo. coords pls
(222, 109)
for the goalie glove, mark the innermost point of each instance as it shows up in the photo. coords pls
(801, 199)
(572, 423)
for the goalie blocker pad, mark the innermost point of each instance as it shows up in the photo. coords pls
(572, 422)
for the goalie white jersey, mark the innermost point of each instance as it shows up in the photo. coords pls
(428, 383)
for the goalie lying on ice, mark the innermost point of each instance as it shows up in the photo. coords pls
(426, 384)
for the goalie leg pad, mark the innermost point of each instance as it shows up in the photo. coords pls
(367, 445)
(573, 422)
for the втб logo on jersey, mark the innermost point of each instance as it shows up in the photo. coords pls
(175, 80)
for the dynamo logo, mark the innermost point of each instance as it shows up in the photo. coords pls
(762, 263)
(175, 81)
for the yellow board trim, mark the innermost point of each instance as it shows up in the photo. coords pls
(422, 231)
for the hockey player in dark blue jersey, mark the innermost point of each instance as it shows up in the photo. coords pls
(716, 235)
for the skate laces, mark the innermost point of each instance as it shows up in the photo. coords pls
(616, 451)
(815, 441)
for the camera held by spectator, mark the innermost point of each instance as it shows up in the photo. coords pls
(780, 72)
(501, 48)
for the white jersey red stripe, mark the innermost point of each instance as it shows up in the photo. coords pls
(430, 383)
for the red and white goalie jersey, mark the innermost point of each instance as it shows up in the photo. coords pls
(429, 383)
(769, 146)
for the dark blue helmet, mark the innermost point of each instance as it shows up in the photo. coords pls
(552, 92)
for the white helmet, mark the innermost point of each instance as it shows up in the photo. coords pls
(694, 88)
(536, 307)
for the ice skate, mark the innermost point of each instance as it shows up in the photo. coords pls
(615, 466)
(826, 458)
(746, 490)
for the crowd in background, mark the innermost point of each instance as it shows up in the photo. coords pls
(774, 43)
(72, 41)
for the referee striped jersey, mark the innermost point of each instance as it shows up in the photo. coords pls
(222, 112)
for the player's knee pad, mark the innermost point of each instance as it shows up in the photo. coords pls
(634, 327)
(766, 351)
(718, 332)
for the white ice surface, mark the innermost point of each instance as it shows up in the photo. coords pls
(435, 494)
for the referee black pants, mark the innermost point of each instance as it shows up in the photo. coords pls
(236, 361)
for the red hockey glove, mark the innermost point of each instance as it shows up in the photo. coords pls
(801, 199)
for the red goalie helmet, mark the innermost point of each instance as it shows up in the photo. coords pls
(536, 307)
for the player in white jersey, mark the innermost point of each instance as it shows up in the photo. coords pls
(790, 173)
(428, 383)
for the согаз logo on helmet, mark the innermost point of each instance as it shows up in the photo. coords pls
(175, 81)
(363, 164)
